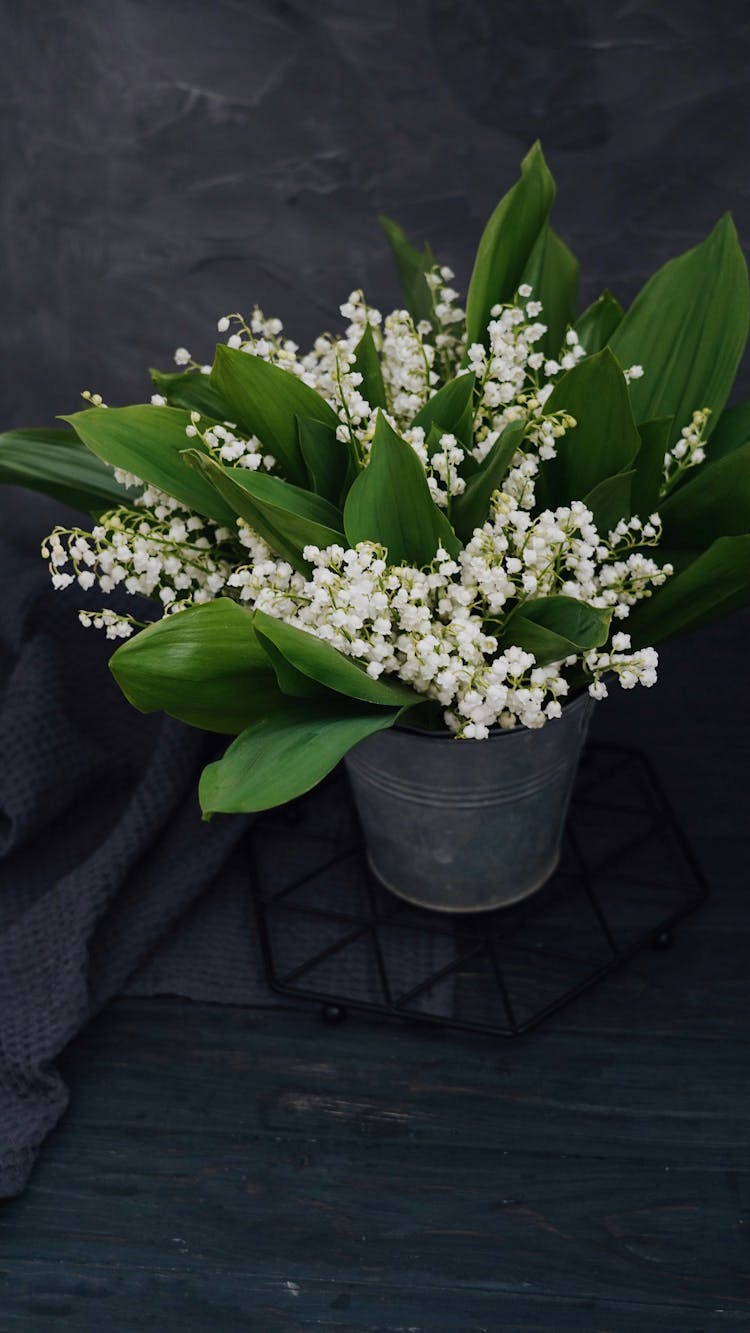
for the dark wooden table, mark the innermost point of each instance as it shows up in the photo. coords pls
(229, 1169)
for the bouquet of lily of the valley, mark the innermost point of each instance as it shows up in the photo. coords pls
(453, 517)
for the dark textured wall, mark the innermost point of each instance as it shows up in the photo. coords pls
(166, 161)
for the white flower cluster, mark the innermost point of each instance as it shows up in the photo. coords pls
(224, 444)
(631, 668)
(165, 553)
(689, 449)
(420, 625)
(431, 627)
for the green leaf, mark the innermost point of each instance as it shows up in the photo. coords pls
(326, 459)
(710, 587)
(552, 273)
(553, 628)
(390, 503)
(149, 442)
(604, 441)
(285, 516)
(286, 752)
(53, 460)
(731, 430)
(448, 408)
(598, 322)
(688, 328)
(203, 665)
(610, 500)
(192, 390)
(649, 474)
(265, 401)
(470, 510)
(507, 243)
(714, 502)
(367, 362)
(326, 665)
(410, 265)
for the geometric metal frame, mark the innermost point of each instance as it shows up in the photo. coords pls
(330, 934)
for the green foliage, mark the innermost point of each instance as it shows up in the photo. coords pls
(204, 665)
(367, 363)
(713, 501)
(711, 586)
(610, 500)
(192, 390)
(450, 408)
(150, 442)
(53, 460)
(266, 401)
(688, 328)
(555, 627)
(507, 243)
(552, 272)
(730, 431)
(598, 322)
(327, 459)
(285, 752)
(285, 516)
(411, 266)
(605, 439)
(649, 477)
(322, 663)
(390, 503)
(470, 510)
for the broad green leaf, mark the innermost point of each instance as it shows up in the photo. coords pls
(605, 439)
(285, 516)
(52, 460)
(411, 266)
(150, 442)
(326, 458)
(326, 665)
(598, 322)
(713, 502)
(649, 472)
(448, 408)
(285, 752)
(290, 680)
(688, 328)
(192, 390)
(203, 665)
(367, 362)
(730, 431)
(710, 587)
(266, 401)
(553, 628)
(390, 503)
(552, 273)
(611, 500)
(507, 243)
(470, 510)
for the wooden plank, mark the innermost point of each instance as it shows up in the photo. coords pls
(387, 1213)
(37, 1295)
(210, 1141)
(647, 1095)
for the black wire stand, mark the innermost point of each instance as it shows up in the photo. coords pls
(332, 935)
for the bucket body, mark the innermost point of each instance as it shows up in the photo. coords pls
(467, 826)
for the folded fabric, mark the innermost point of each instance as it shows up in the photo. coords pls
(104, 853)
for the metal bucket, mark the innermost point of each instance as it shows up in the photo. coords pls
(467, 826)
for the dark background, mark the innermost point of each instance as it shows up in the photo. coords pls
(168, 161)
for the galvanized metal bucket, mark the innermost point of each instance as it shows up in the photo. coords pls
(467, 826)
